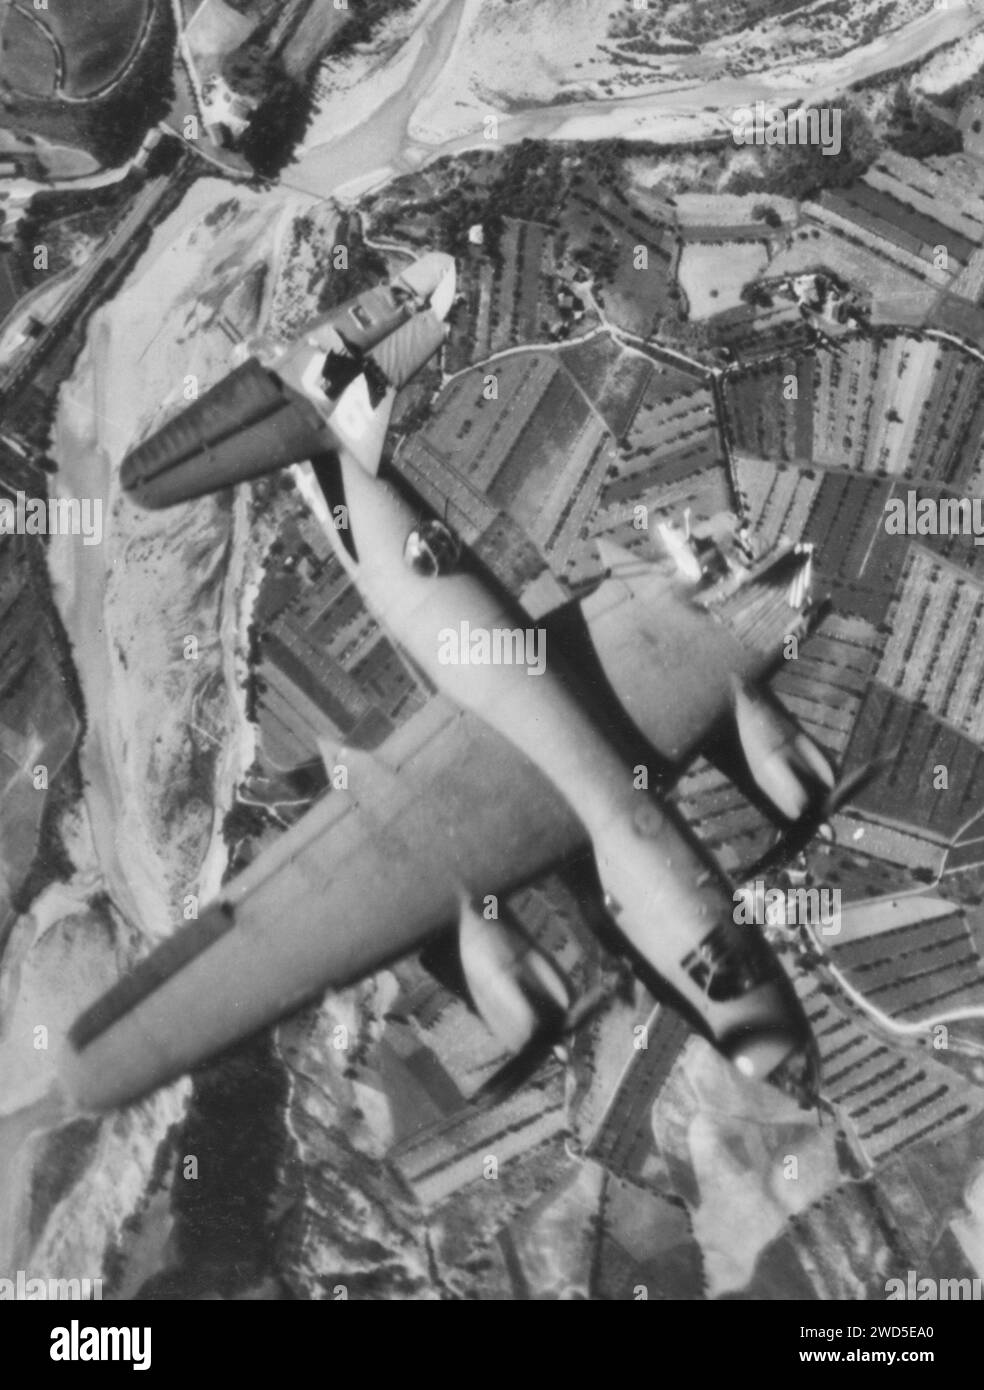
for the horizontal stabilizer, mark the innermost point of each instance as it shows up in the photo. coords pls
(400, 356)
(249, 424)
(431, 279)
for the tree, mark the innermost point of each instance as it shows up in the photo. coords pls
(277, 126)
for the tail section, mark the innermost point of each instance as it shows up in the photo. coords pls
(331, 391)
(247, 425)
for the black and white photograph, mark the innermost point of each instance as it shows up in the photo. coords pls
(492, 659)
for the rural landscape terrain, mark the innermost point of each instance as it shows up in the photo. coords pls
(655, 325)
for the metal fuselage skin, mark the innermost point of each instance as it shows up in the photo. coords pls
(662, 890)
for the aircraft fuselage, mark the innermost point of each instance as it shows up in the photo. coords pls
(663, 891)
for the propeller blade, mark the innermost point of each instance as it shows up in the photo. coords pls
(795, 840)
(515, 1073)
(845, 790)
(518, 1070)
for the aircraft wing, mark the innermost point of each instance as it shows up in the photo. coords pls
(401, 355)
(444, 810)
(688, 666)
(672, 660)
(246, 425)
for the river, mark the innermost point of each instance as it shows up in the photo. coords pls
(383, 144)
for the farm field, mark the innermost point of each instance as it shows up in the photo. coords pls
(615, 380)
(913, 744)
(832, 249)
(29, 59)
(916, 969)
(934, 657)
(767, 421)
(510, 303)
(712, 275)
(854, 553)
(90, 43)
(673, 437)
(883, 405)
(886, 216)
(854, 1058)
(825, 686)
(609, 236)
(777, 499)
(217, 29)
(565, 440)
(477, 433)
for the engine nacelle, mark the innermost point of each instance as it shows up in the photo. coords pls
(786, 764)
(516, 988)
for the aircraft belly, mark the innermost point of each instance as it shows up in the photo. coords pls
(535, 712)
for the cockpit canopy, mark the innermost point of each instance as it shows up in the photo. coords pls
(432, 549)
(727, 965)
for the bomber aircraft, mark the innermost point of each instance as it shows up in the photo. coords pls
(516, 766)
